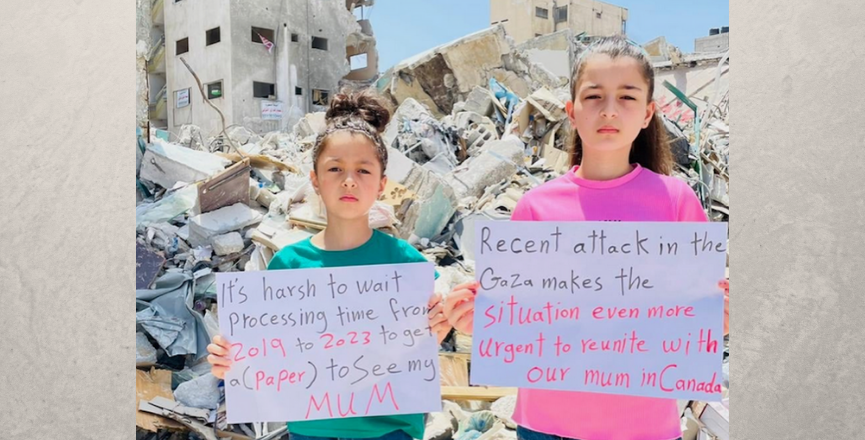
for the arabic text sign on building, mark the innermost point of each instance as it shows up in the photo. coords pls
(271, 110)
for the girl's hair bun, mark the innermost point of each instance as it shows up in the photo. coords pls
(359, 104)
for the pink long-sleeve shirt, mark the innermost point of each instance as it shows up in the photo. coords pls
(640, 195)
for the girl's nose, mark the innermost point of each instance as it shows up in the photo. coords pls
(609, 109)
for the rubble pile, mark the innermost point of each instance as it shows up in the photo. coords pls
(703, 154)
(461, 149)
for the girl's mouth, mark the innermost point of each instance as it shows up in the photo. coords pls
(348, 198)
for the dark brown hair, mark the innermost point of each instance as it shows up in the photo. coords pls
(358, 112)
(651, 147)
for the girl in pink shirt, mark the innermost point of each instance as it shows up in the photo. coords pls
(621, 166)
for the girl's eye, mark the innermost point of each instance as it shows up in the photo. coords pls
(593, 97)
(334, 169)
(364, 171)
(629, 97)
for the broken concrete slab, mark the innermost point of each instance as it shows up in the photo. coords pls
(168, 207)
(409, 110)
(545, 102)
(265, 198)
(395, 194)
(203, 227)
(479, 101)
(433, 204)
(517, 84)
(243, 136)
(473, 55)
(311, 125)
(200, 392)
(226, 244)
(166, 164)
(555, 52)
(422, 138)
(403, 86)
(497, 161)
(190, 137)
(445, 75)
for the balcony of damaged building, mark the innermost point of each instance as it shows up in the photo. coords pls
(475, 124)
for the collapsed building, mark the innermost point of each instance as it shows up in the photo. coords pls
(476, 123)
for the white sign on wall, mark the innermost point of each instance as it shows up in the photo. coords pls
(182, 98)
(271, 110)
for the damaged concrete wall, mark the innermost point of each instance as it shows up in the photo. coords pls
(363, 43)
(555, 52)
(325, 68)
(697, 83)
(295, 67)
(191, 19)
(251, 62)
(442, 76)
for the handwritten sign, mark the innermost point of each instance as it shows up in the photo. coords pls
(329, 343)
(271, 110)
(617, 308)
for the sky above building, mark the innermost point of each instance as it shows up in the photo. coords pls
(404, 28)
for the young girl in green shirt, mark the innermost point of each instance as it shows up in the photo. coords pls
(349, 160)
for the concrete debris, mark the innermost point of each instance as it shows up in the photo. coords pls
(446, 75)
(434, 202)
(226, 244)
(243, 135)
(496, 161)
(422, 138)
(475, 124)
(205, 226)
(440, 426)
(167, 208)
(474, 130)
(311, 125)
(701, 126)
(167, 164)
(479, 101)
(504, 410)
(190, 137)
(202, 392)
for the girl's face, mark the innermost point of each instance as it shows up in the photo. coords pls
(610, 104)
(350, 177)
